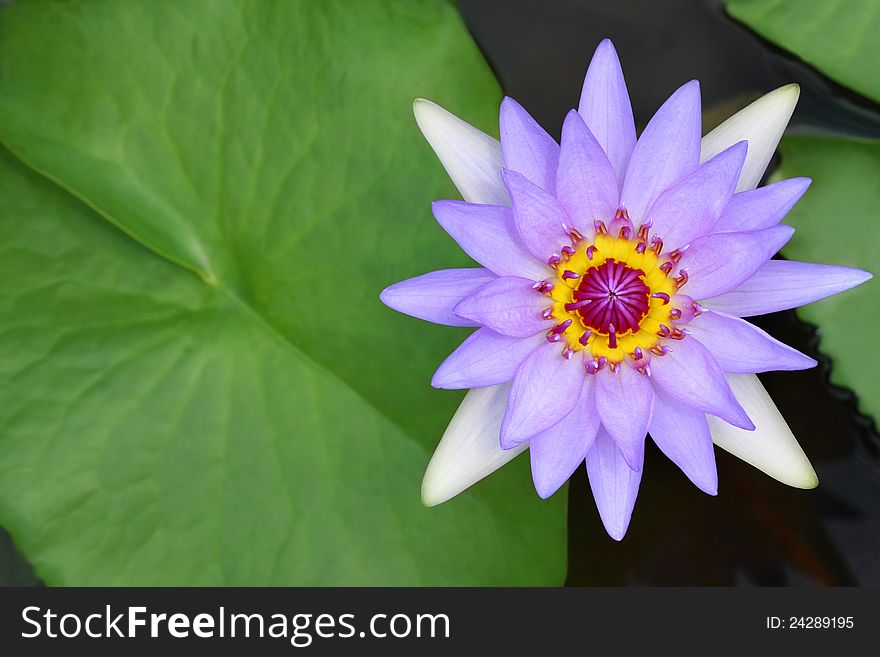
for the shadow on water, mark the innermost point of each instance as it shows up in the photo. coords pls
(757, 531)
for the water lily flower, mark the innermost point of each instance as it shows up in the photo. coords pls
(615, 275)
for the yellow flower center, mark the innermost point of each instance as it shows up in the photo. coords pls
(611, 295)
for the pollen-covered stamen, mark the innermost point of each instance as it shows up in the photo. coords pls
(544, 287)
(662, 296)
(601, 228)
(621, 225)
(612, 337)
(611, 295)
(559, 329)
(576, 305)
(681, 279)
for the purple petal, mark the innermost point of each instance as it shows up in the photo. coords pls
(624, 399)
(783, 284)
(558, 451)
(526, 146)
(691, 207)
(508, 305)
(719, 262)
(432, 296)
(763, 207)
(742, 348)
(667, 150)
(586, 184)
(488, 235)
(682, 433)
(540, 220)
(606, 109)
(544, 390)
(690, 374)
(486, 358)
(615, 485)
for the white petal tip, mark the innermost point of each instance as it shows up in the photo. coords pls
(771, 447)
(420, 103)
(805, 480)
(431, 497)
(469, 449)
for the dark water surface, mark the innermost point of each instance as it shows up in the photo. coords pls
(757, 531)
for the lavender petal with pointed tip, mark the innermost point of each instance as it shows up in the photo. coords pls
(691, 207)
(545, 389)
(488, 235)
(606, 109)
(486, 358)
(624, 399)
(614, 484)
(526, 146)
(586, 184)
(690, 374)
(682, 433)
(558, 451)
(540, 219)
(509, 305)
(432, 296)
(763, 207)
(783, 284)
(742, 348)
(667, 150)
(719, 262)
